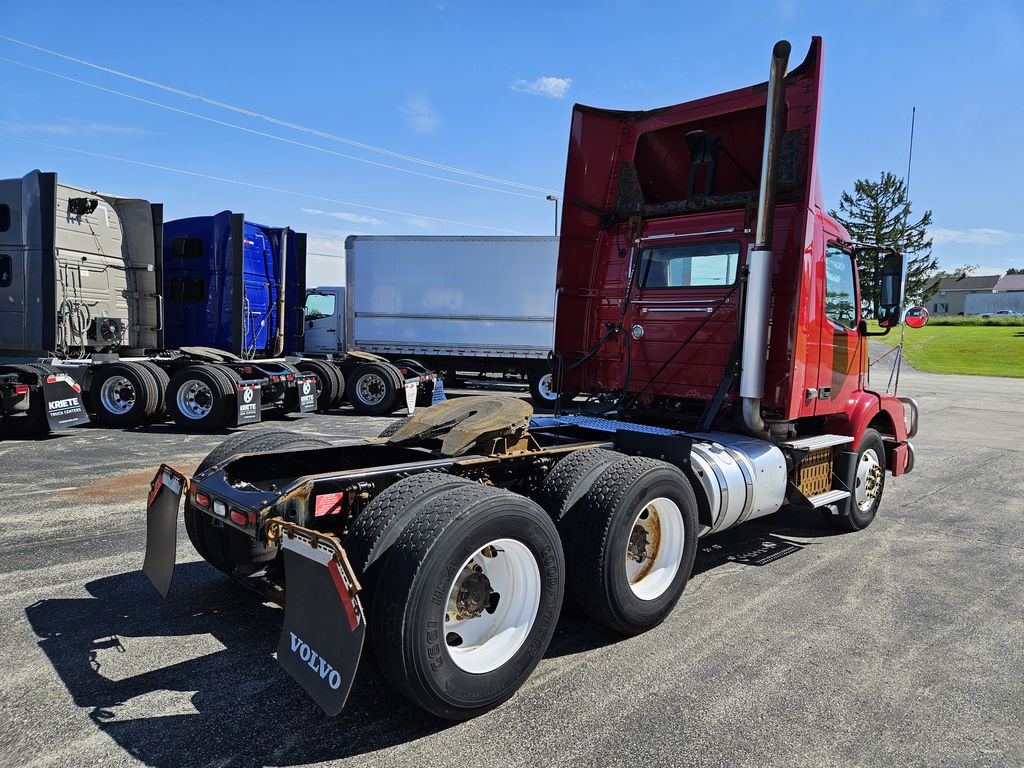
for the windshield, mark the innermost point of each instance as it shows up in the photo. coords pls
(319, 305)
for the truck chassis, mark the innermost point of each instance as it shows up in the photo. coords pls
(465, 524)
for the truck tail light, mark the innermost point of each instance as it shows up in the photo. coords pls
(202, 500)
(21, 389)
(239, 518)
(251, 517)
(220, 509)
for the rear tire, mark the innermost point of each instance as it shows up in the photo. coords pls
(382, 521)
(635, 544)
(162, 380)
(200, 398)
(123, 395)
(509, 585)
(221, 546)
(375, 389)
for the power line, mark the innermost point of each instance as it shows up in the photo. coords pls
(261, 186)
(263, 133)
(277, 121)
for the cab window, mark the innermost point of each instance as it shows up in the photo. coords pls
(319, 305)
(689, 266)
(840, 287)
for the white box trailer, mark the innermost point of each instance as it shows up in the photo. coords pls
(455, 304)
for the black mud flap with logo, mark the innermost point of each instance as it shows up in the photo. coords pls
(248, 403)
(322, 637)
(63, 398)
(305, 385)
(165, 493)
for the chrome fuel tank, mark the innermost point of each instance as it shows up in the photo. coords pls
(742, 477)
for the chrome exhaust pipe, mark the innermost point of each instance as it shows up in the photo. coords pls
(757, 302)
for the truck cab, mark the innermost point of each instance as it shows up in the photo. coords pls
(659, 258)
(223, 279)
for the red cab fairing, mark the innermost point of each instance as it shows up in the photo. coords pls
(671, 194)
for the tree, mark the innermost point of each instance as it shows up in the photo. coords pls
(878, 213)
(1015, 271)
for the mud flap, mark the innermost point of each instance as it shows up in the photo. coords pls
(438, 395)
(162, 527)
(248, 403)
(306, 387)
(322, 637)
(63, 398)
(412, 387)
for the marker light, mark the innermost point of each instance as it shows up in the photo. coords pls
(202, 500)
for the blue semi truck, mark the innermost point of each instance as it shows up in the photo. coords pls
(222, 288)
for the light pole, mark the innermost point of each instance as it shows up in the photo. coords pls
(554, 199)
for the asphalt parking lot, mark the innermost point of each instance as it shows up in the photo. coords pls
(900, 645)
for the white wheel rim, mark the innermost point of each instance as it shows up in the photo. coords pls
(371, 389)
(194, 399)
(546, 387)
(483, 632)
(117, 395)
(654, 549)
(868, 484)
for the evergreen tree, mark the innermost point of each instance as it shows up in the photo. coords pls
(879, 213)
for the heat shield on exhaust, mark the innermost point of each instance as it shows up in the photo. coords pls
(162, 526)
(322, 637)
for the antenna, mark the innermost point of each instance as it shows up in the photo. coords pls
(897, 363)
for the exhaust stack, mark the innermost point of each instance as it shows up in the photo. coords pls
(279, 332)
(757, 303)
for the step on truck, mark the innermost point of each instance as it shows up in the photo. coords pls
(436, 300)
(709, 307)
(84, 296)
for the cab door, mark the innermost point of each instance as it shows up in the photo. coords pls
(842, 348)
(323, 322)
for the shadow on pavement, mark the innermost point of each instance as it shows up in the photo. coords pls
(234, 705)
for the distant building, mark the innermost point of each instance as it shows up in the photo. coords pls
(1010, 284)
(951, 297)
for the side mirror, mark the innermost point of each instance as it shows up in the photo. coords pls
(891, 291)
(917, 317)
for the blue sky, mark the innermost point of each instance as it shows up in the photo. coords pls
(489, 88)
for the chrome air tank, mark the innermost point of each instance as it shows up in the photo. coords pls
(742, 477)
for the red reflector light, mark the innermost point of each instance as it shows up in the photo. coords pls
(21, 389)
(238, 518)
(247, 370)
(252, 517)
(202, 500)
(328, 504)
(274, 378)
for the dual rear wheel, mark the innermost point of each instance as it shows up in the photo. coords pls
(463, 582)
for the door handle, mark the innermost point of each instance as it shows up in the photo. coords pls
(703, 310)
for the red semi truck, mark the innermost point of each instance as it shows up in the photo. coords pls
(710, 308)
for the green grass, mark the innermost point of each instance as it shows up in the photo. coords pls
(975, 320)
(973, 350)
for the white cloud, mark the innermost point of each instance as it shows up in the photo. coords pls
(69, 127)
(419, 222)
(354, 218)
(422, 115)
(555, 87)
(981, 236)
